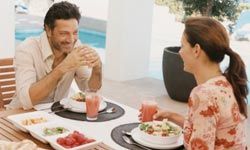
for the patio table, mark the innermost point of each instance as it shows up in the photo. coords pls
(97, 130)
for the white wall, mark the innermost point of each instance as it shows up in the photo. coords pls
(7, 28)
(97, 9)
(39, 7)
(128, 39)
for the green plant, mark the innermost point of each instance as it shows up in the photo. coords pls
(175, 7)
(220, 9)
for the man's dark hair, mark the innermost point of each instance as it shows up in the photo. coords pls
(62, 10)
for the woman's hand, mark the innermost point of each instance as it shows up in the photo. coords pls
(171, 116)
(165, 114)
(161, 114)
(140, 115)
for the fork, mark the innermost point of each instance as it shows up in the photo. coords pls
(131, 142)
(126, 133)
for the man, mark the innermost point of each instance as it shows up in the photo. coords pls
(46, 66)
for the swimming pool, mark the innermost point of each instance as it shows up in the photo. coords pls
(93, 38)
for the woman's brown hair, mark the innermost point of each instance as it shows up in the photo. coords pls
(213, 39)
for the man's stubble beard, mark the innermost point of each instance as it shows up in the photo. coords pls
(58, 46)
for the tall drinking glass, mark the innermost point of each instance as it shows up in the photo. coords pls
(148, 109)
(92, 104)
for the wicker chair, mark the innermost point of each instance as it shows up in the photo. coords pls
(7, 81)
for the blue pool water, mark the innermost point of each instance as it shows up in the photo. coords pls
(93, 38)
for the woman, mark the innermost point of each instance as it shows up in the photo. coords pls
(217, 106)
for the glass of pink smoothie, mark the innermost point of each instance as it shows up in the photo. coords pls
(148, 109)
(92, 100)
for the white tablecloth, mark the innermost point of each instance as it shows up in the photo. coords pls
(101, 130)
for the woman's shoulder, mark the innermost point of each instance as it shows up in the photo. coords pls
(203, 91)
(216, 92)
(218, 85)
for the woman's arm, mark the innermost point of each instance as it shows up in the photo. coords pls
(172, 116)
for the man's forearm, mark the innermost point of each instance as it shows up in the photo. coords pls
(95, 81)
(41, 89)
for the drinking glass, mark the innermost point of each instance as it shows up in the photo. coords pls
(92, 100)
(148, 109)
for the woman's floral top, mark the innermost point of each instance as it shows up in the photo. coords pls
(214, 121)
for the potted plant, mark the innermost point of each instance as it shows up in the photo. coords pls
(178, 83)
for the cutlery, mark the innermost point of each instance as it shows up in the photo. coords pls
(131, 142)
(108, 111)
(126, 133)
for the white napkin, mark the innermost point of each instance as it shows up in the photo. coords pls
(43, 107)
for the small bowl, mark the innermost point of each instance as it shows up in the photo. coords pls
(159, 139)
(76, 103)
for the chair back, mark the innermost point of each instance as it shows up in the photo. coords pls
(7, 81)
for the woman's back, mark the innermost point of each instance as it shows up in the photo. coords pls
(214, 120)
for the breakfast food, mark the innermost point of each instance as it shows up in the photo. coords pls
(160, 128)
(54, 131)
(73, 140)
(79, 96)
(33, 121)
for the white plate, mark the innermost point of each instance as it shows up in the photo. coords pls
(17, 119)
(65, 104)
(57, 146)
(37, 131)
(136, 136)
